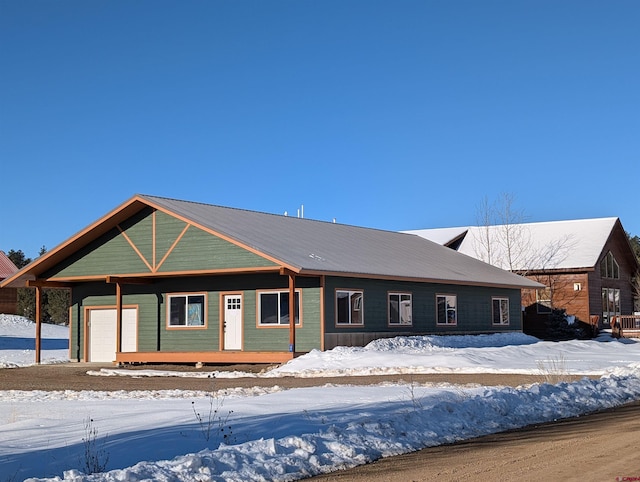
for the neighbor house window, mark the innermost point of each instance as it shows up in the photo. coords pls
(273, 308)
(610, 303)
(349, 307)
(500, 311)
(186, 310)
(400, 309)
(447, 310)
(609, 267)
(543, 300)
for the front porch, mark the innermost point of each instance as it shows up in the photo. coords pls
(628, 326)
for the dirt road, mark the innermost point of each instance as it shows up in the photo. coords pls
(598, 447)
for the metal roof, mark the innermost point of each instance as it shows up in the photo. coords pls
(7, 268)
(304, 246)
(309, 246)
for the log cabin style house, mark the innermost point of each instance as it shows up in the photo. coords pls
(586, 266)
(164, 280)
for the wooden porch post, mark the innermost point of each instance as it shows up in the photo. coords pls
(38, 323)
(292, 313)
(118, 317)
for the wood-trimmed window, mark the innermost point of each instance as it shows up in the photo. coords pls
(273, 308)
(400, 309)
(500, 310)
(447, 310)
(187, 310)
(349, 307)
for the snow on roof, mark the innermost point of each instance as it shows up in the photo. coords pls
(440, 235)
(568, 244)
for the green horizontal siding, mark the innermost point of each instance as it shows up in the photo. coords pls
(277, 339)
(474, 306)
(139, 229)
(151, 301)
(110, 254)
(178, 250)
(199, 250)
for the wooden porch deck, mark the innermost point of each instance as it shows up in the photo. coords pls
(221, 357)
(628, 325)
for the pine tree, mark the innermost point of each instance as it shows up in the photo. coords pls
(55, 302)
(18, 258)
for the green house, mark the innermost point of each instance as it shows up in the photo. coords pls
(163, 280)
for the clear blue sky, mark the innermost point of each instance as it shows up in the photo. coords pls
(389, 114)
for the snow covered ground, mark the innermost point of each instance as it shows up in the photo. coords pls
(276, 434)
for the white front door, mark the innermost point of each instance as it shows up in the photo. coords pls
(103, 330)
(232, 323)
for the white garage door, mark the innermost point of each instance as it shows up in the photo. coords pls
(102, 333)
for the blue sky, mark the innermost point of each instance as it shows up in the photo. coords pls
(389, 114)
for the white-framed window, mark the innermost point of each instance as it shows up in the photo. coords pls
(609, 267)
(400, 309)
(500, 309)
(543, 300)
(186, 310)
(446, 310)
(273, 308)
(349, 307)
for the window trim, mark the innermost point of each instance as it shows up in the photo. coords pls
(259, 294)
(399, 294)
(446, 295)
(359, 306)
(493, 318)
(205, 317)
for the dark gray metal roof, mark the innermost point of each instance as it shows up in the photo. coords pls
(310, 246)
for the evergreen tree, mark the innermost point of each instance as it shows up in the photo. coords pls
(55, 301)
(18, 258)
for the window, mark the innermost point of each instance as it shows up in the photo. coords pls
(400, 310)
(349, 308)
(186, 310)
(609, 267)
(446, 310)
(273, 308)
(610, 303)
(500, 311)
(543, 300)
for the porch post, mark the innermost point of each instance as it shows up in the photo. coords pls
(292, 313)
(118, 317)
(38, 323)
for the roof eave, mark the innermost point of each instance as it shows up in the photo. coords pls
(31, 271)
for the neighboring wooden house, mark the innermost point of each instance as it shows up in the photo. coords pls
(163, 280)
(8, 296)
(586, 265)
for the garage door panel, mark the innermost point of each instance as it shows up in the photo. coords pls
(102, 333)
